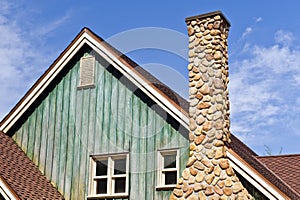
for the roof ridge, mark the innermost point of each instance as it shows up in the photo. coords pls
(281, 155)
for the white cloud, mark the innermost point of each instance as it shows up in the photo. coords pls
(53, 25)
(22, 60)
(258, 19)
(247, 31)
(284, 38)
(264, 89)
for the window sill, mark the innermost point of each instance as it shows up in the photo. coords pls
(165, 187)
(104, 196)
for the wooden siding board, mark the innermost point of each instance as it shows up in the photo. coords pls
(134, 169)
(72, 132)
(142, 149)
(57, 142)
(49, 137)
(106, 113)
(83, 144)
(30, 144)
(113, 132)
(25, 136)
(92, 121)
(151, 161)
(36, 144)
(43, 153)
(61, 130)
(52, 138)
(77, 145)
(67, 158)
(63, 135)
(127, 120)
(74, 123)
(121, 101)
(99, 106)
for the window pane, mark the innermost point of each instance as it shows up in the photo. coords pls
(101, 168)
(101, 186)
(120, 185)
(120, 166)
(170, 161)
(170, 178)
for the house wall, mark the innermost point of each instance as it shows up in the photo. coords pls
(68, 125)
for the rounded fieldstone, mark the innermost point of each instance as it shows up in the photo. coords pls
(219, 153)
(186, 174)
(200, 120)
(198, 131)
(224, 164)
(191, 161)
(237, 187)
(198, 165)
(227, 191)
(191, 30)
(194, 101)
(200, 177)
(203, 105)
(193, 171)
(216, 24)
(189, 192)
(193, 124)
(204, 89)
(229, 171)
(209, 190)
(178, 192)
(218, 190)
(197, 77)
(218, 83)
(198, 139)
(193, 197)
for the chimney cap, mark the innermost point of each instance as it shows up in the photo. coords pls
(210, 14)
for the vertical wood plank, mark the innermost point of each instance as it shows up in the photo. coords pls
(56, 136)
(73, 123)
(51, 162)
(43, 152)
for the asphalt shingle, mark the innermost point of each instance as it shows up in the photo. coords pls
(21, 174)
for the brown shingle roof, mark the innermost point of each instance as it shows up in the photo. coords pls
(255, 161)
(21, 174)
(287, 167)
(236, 145)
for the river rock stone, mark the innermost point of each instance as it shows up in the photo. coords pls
(208, 174)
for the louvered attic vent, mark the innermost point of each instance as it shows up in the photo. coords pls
(87, 75)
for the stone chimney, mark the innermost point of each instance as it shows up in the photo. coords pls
(208, 174)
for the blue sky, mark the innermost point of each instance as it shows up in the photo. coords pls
(264, 53)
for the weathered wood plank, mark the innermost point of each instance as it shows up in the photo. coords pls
(71, 124)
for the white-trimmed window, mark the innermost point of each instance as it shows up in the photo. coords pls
(87, 72)
(109, 176)
(168, 168)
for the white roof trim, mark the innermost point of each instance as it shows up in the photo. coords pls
(254, 179)
(85, 38)
(6, 192)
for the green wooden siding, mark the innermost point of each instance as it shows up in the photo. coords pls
(70, 124)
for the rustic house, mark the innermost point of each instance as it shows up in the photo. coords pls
(96, 125)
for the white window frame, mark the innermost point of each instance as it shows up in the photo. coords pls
(92, 83)
(161, 170)
(110, 176)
